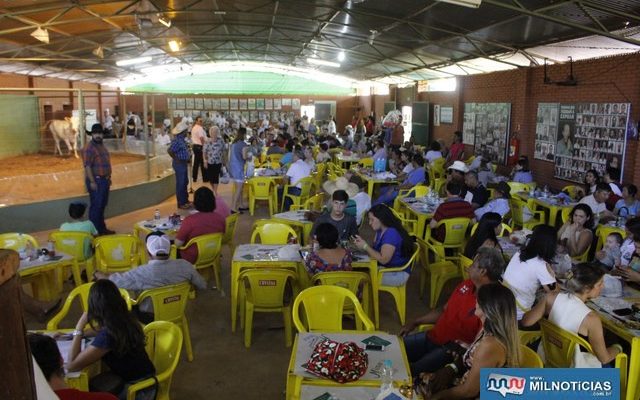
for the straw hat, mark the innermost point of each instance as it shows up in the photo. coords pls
(459, 166)
(179, 128)
(341, 183)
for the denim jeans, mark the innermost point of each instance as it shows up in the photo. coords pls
(424, 355)
(287, 201)
(182, 181)
(98, 202)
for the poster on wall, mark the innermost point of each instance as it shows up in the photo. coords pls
(171, 103)
(277, 104)
(436, 115)
(546, 129)
(446, 115)
(224, 103)
(590, 136)
(233, 104)
(295, 104)
(208, 104)
(189, 103)
(180, 103)
(260, 104)
(199, 103)
(286, 102)
(178, 113)
(215, 103)
(268, 104)
(469, 128)
(251, 104)
(242, 105)
(491, 128)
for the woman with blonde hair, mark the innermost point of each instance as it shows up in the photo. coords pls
(496, 346)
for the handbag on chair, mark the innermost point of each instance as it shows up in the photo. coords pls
(341, 362)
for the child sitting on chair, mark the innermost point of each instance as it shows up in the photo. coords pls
(610, 253)
(79, 224)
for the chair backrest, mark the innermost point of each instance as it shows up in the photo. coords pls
(559, 345)
(82, 294)
(274, 157)
(603, 231)
(163, 345)
(366, 162)
(456, 230)
(517, 210)
(117, 252)
(261, 187)
(572, 191)
(230, 227)
(529, 358)
(518, 187)
(73, 243)
(209, 247)
(16, 241)
(504, 228)
(266, 287)
(306, 186)
(438, 184)
(351, 280)
(169, 302)
(465, 263)
(272, 233)
(323, 309)
(437, 167)
(315, 202)
(565, 212)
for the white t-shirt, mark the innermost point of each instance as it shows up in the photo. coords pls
(615, 189)
(433, 155)
(363, 204)
(163, 140)
(524, 279)
(331, 128)
(297, 171)
(198, 135)
(596, 207)
(408, 168)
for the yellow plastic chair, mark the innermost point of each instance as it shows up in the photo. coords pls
(16, 241)
(262, 188)
(565, 213)
(456, 232)
(272, 233)
(469, 160)
(517, 212)
(399, 293)
(517, 187)
(527, 337)
(314, 203)
(117, 253)
(82, 294)
(74, 244)
(352, 280)
(411, 225)
(324, 307)
(560, 345)
(163, 345)
(416, 191)
(209, 247)
(465, 264)
(438, 186)
(366, 162)
(306, 190)
(231, 222)
(505, 228)
(264, 291)
(276, 157)
(169, 304)
(318, 176)
(529, 358)
(573, 191)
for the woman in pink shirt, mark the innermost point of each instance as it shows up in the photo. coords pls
(456, 151)
(203, 222)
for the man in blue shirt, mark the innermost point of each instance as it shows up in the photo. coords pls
(179, 152)
(415, 177)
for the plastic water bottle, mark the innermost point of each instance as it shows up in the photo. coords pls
(156, 214)
(532, 192)
(386, 376)
(546, 191)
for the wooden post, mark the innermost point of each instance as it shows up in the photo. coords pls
(17, 378)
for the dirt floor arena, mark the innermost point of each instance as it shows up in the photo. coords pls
(46, 163)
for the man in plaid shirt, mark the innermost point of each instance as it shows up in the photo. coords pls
(97, 168)
(179, 152)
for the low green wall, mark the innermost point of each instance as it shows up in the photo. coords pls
(34, 217)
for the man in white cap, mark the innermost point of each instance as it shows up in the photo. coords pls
(158, 272)
(457, 171)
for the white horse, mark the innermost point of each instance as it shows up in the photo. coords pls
(67, 130)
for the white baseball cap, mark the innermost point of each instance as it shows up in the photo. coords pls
(459, 166)
(157, 245)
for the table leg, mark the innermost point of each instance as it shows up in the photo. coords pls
(235, 271)
(373, 272)
(370, 187)
(553, 215)
(633, 378)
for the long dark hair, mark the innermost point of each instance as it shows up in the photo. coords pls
(242, 132)
(109, 311)
(586, 185)
(587, 211)
(541, 243)
(486, 230)
(386, 217)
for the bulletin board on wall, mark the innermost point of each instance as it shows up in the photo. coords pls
(546, 129)
(589, 136)
(193, 107)
(486, 126)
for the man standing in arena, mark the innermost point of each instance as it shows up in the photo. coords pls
(97, 169)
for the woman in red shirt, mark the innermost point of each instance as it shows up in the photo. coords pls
(456, 151)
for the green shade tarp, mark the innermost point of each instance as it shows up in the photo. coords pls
(243, 82)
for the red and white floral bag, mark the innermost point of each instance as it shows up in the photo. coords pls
(341, 362)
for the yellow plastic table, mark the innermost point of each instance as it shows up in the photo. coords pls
(45, 275)
(345, 161)
(142, 228)
(548, 203)
(303, 347)
(296, 219)
(377, 179)
(421, 211)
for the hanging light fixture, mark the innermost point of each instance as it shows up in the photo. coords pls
(98, 52)
(341, 56)
(41, 34)
(174, 45)
(165, 21)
